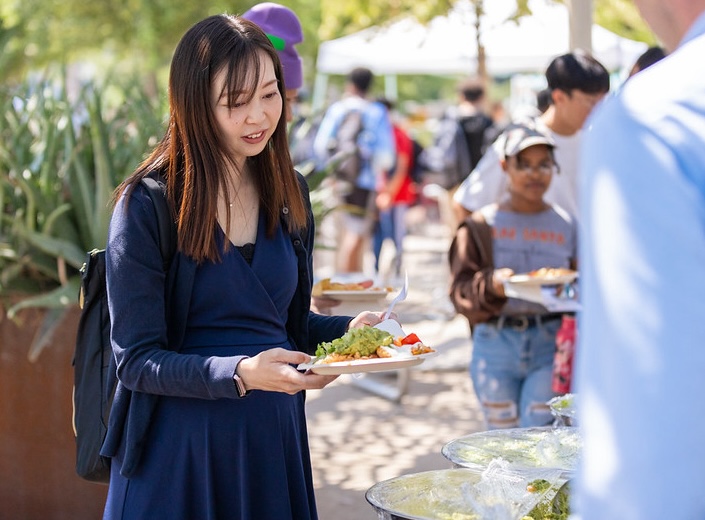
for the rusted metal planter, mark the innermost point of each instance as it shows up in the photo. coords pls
(37, 449)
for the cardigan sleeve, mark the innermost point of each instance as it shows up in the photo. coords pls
(471, 269)
(136, 299)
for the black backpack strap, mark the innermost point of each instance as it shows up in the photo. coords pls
(167, 228)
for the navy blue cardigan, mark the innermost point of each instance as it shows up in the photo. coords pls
(144, 343)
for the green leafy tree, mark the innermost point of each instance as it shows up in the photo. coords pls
(622, 17)
(141, 33)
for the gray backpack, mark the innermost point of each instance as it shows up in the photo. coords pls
(447, 161)
(344, 156)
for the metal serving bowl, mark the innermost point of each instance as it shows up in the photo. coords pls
(523, 448)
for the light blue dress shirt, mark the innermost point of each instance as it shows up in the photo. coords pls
(641, 353)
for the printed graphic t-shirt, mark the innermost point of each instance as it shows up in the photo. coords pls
(526, 242)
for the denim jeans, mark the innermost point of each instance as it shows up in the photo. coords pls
(390, 225)
(511, 371)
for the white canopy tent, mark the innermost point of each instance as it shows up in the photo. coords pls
(447, 45)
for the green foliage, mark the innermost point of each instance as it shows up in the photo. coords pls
(143, 33)
(623, 18)
(61, 157)
(341, 18)
(140, 32)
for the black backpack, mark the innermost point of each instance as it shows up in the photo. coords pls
(479, 134)
(343, 150)
(417, 169)
(456, 150)
(94, 364)
(447, 161)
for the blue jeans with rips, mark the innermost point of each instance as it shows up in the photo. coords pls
(511, 371)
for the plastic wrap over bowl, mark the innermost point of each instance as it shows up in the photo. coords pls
(523, 448)
(461, 494)
(564, 409)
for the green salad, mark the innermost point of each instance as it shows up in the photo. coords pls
(357, 342)
(556, 509)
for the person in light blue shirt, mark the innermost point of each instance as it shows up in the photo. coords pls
(377, 150)
(641, 351)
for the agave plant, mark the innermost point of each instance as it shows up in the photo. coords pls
(60, 161)
(61, 157)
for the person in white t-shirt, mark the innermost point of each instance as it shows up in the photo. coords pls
(577, 82)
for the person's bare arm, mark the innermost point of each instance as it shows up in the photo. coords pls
(460, 212)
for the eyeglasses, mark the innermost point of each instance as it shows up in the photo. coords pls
(542, 169)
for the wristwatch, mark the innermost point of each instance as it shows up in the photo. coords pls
(239, 384)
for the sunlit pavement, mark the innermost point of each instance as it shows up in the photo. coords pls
(357, 438)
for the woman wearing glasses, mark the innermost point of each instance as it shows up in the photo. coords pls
(513, 340)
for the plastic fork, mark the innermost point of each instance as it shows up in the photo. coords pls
(399, 297)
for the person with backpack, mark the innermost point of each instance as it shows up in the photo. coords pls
(463, 136)
(396, 192)
(355, 141)
(578, 82)
(208, 417)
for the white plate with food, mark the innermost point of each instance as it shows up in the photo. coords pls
(545, 276)
(364, 290)
(359, 366)
(364, 294)
(369, 349)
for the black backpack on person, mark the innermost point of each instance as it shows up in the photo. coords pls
(416, 170)
(457, 148)
(95, 375)
(479, 131)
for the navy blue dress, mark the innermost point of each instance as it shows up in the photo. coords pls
(245, 459)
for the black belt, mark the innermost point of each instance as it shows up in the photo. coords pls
(523, 322)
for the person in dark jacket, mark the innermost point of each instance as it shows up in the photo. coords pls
(208, 418)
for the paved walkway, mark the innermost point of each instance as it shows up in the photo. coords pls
(357, 438)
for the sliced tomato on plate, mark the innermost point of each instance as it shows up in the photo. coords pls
(409, 339)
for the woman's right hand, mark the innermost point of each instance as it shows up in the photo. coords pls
(272, 370)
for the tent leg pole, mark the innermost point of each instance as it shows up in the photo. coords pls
(319, 92)
(390, 87)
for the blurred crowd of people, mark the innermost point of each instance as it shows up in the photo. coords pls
(393, 164)
(457, 154)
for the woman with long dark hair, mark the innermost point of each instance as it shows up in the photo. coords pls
(208, 418)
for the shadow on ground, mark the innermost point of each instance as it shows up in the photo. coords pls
(358, 439)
